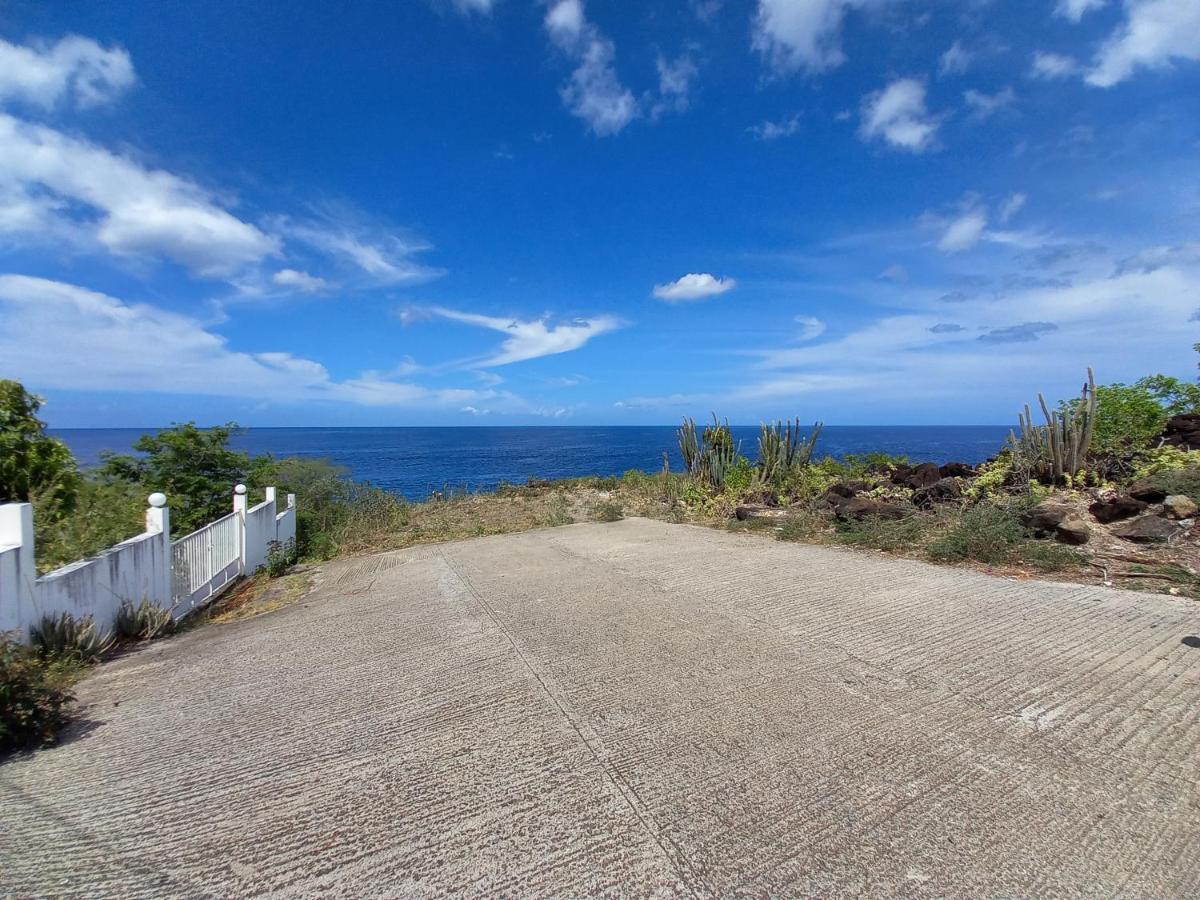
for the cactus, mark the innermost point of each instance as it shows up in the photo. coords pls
(1056, 451)
(709, 456)
(689, 447)
(783, 448)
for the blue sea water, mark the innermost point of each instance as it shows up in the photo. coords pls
(415, 461)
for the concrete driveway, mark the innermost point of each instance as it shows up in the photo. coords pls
(635, 709)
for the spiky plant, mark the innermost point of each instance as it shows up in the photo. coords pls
(1056, 451)
(689, 446)
(719, 452)
(783, 447)
(143, 622)
(64, 636)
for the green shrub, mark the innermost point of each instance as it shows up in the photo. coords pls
(142, 622)
(1165, 459)
(802, 525)
(740, 476)
(1048, 556)
(101, 516)
(62, 636)
(860, 464)
(988, 533)
(883, 534)
(1178, 481)
(281, 556)
(608, 511)
(34, 694)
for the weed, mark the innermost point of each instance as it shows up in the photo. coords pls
(281, 556)
(608, 511)
(143, 622)
(62, 636)
(988, 533)
(34, 694)
(883, 534)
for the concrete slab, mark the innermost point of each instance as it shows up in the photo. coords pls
(635, 709)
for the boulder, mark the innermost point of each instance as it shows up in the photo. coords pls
(867, 508)
(1183, 431)
(1072, 530)
(1146, 529)
(900, 473)
(1116, 509)
(957, 470)
(752, 512)
(1149, 490)
(846, 488)
(1044, 518)
(1177, 506)
(940, 491)
(922, 476)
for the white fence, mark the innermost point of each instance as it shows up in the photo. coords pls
(177, 575)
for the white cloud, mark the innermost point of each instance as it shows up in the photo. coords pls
(955, 60)
(1052, 65)
(1077, 9)
(694, 286)
(770, 131)
(134, 210)
(532, 339)
(811, 327)
(675, 81)
(894, 272)
(898, 115)
(593, 93)
(801, 34)
(75, 70)
(301, 281)
(1013, 205)
(983, 106)
(963, 232)
(1154, 33)
(60, 336)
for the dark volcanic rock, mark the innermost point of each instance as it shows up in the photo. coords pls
(846, 488)
(940, 491)
(1146, 530)
(900, 473)
(1183, 431)
(922, 476)
(1148, 490)
(957, 470)
(866, 508)
(1073, 530)
(1044, 518)
(1116, 509)
(758, 512)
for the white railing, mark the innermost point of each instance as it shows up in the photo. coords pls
(204, 562)
(177, 575)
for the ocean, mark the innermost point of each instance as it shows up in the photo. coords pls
(415, 461)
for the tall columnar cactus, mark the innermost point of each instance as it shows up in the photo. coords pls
(710, 455)
(689, 447)
(1058, 449)
(782, 447)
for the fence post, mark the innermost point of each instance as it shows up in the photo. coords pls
(239, 508)
(158, 521)
(18, 574)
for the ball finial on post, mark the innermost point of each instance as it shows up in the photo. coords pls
(158, 500)
(239, 489)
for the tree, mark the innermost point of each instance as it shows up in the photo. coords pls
(193, 466)
(32, 464)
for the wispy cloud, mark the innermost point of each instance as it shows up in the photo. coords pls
(75, 70)
(531, 338)
(771, 131)
(594, 92)
(897, 114)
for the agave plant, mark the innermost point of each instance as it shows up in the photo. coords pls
(783, 447)
(143, 622)
(64, 636)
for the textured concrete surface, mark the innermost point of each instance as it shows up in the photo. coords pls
(635, 709)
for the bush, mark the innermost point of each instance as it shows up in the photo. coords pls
(988, 533)
(883, 534)
(103, 515)
(143, 622)
(1165, 459)
(609, 511)
(33, 697)
(281, 556)
(1178, 481)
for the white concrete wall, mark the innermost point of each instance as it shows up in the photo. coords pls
(260, 532)
(135, 570)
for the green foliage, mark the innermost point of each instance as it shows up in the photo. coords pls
(859, 464)
(1130, 418)
(883, 534)
(1165, 459)
(34, 694)
(807, 483)
(193, 466)
(988, 533)
(102, 515)
(142, 622)
(31, 462)
(740, 476)
(608, 511)
(709, 458)
(783, 448)
(281, 556)
(1178, 481)
(992, 477)
(62, 636)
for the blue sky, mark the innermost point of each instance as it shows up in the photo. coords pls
(510, 211)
